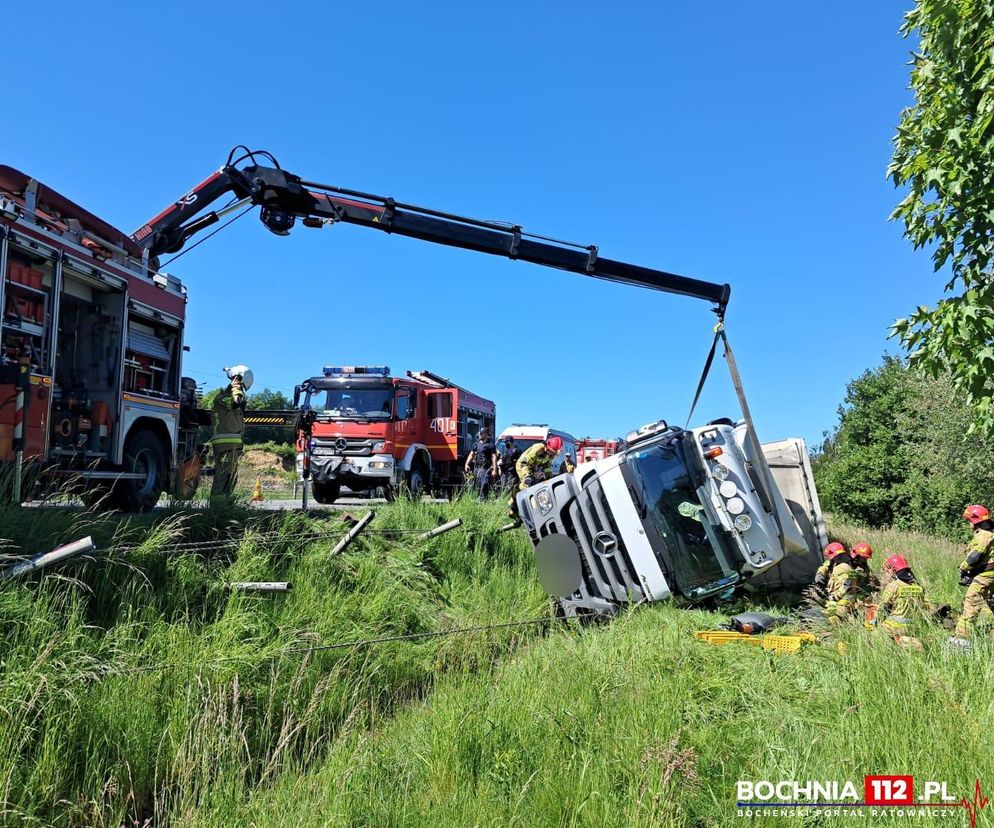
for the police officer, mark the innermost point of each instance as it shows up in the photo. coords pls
(508, 458)
(229, 424)
(483, 462)
(534, 465)
(976, 573)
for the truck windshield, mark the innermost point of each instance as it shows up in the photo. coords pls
(696, 552)
(345, 403)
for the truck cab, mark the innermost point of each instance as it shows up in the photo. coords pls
(591, 448)
(676, 514)
(369, 430)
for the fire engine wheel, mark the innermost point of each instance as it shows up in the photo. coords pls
(143, 454)
(326, 491)
(417, 480)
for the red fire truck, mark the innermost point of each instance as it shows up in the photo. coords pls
(364, 429)
(589, 448)
(91, 345)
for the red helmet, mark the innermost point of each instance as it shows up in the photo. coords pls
(895, 563)
(976, 514)
(834, 549)
(554, 444)
(862, 550)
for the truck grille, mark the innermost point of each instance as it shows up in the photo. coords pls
(609, 575)
(348, 446)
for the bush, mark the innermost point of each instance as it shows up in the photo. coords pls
(901, 455)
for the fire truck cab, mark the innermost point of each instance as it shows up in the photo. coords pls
(91, 345)
(368, 430)
(589, 449)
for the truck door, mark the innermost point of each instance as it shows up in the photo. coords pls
(406, 413)
(788, 462)
(443, 431)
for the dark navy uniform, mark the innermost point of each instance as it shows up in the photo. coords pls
(483, 458)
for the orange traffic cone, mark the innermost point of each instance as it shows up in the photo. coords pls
(257, 491)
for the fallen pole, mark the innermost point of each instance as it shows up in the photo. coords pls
(261, 586)
(441, 530)
(507, 527)
(351, 535)
(61, 553)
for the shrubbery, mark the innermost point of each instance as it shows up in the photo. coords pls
(901, 455)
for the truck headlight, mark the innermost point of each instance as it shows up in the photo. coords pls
(381, 464)
(720, 471)
(743, 523)
(543, 499)
(378, 446)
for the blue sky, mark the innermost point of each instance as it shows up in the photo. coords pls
(732, 142)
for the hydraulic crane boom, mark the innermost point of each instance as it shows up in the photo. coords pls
(284, 197)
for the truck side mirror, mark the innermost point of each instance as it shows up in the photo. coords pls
(296, 396)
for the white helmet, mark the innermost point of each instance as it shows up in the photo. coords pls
(242, 371)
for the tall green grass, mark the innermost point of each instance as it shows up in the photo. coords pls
(136, 686)
(637, 724)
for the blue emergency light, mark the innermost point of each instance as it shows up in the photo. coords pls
(356, 370)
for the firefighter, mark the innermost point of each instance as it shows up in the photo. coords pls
(902, 600)
(508, 458)
(568, 464)
(534, 465)
(483, 462)
(837, 577)
(229, 423)
(976, 573)
(831, 552)
(866, 582)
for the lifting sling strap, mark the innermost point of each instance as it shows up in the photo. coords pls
(733, 370)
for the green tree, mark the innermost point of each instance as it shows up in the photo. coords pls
(944, 157)
(902, 455)
(264, 399)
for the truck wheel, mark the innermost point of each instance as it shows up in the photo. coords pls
(417, 480)
(326, 491)
(143, 454)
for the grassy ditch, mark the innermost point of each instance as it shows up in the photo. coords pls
(136, 686)
(136, 689)
(637, 724)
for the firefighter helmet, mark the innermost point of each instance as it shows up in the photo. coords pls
(554, 444)
(895, 563)
(242, 371)
(834, 550)
(862, 550)
(976, 514)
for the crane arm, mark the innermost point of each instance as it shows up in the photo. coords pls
(284, 197)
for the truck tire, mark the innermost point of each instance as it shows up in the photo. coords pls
(326, 491)
(417, 480)
(144, 454)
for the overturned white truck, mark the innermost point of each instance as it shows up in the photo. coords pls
(684, 514)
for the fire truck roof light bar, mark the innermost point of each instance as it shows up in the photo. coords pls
(356, 370)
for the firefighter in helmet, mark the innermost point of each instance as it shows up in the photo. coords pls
(481, 463)
(534, 465)
(832, 551)
(902, 600)
(229, 423)
(976, 572)
(866, 582)
(836, 576)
